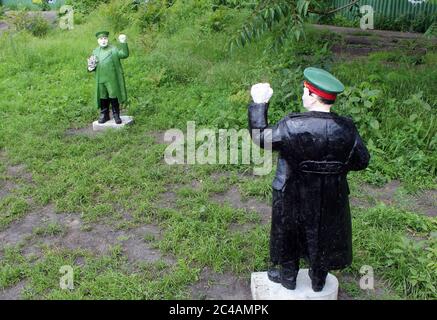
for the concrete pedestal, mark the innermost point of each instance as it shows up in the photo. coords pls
(264, 289)
(112, 125)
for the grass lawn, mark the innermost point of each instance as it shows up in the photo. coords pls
(133, 227)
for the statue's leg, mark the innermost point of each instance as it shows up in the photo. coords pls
(283, 244)
(318, 277)
(116, 110)
(114, 102)
(104, 110)
(289, 271)
(275, 237)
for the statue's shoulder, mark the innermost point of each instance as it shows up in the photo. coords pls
(96, 51)
(346, 121)
(295, 115)
(346, 118)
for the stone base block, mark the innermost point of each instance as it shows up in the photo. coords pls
(126, 120)
(264, 289)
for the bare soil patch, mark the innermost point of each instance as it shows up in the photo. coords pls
(75, 235)
(392, 194)
(14, 292)
(356, 42)
(85, 131)
(216, 286)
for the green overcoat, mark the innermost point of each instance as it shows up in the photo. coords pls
(104, 68)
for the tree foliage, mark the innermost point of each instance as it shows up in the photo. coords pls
(283, 18)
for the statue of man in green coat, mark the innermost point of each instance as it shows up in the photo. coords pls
(110, 84)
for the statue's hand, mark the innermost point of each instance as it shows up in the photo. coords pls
(92, 63)
(122, 38)
(261, 92)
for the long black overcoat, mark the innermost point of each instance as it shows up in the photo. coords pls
(316, 151)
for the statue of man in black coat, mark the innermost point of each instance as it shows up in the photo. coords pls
(310, 211)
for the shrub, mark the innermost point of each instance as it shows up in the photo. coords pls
(118, 14)
(406, 22)
(234, 3)
(34, 23)
(44, 6)
(38, 26)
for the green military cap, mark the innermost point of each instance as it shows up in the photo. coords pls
(102, 34)
(322, 83)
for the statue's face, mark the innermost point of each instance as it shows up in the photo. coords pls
(103, 42)
(307, 99)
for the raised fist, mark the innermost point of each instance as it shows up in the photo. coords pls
(122, 38)
(261, 92)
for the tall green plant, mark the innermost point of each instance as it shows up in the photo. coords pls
(284, 19)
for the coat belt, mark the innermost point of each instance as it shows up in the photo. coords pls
(322, 167)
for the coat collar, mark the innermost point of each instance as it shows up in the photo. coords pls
(321, 114)
(314, 114)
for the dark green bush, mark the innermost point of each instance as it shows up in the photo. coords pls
(234, 3)
(152, 13)
(38, 26)
(34, 23)
(406, 22)
(44, 6)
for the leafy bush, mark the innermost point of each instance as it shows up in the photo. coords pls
(411, 268)
(234, 3)
(38, 26)
(217, 20)
(406, 22)
(341, 21)
(152, 13)
(283, 19)
(400, 246)
(31, 22)
(44, 6)
(118, 14)
(362, 104)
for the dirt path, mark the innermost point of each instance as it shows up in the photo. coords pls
(385, 34)
(356, 42)
(392, 194)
